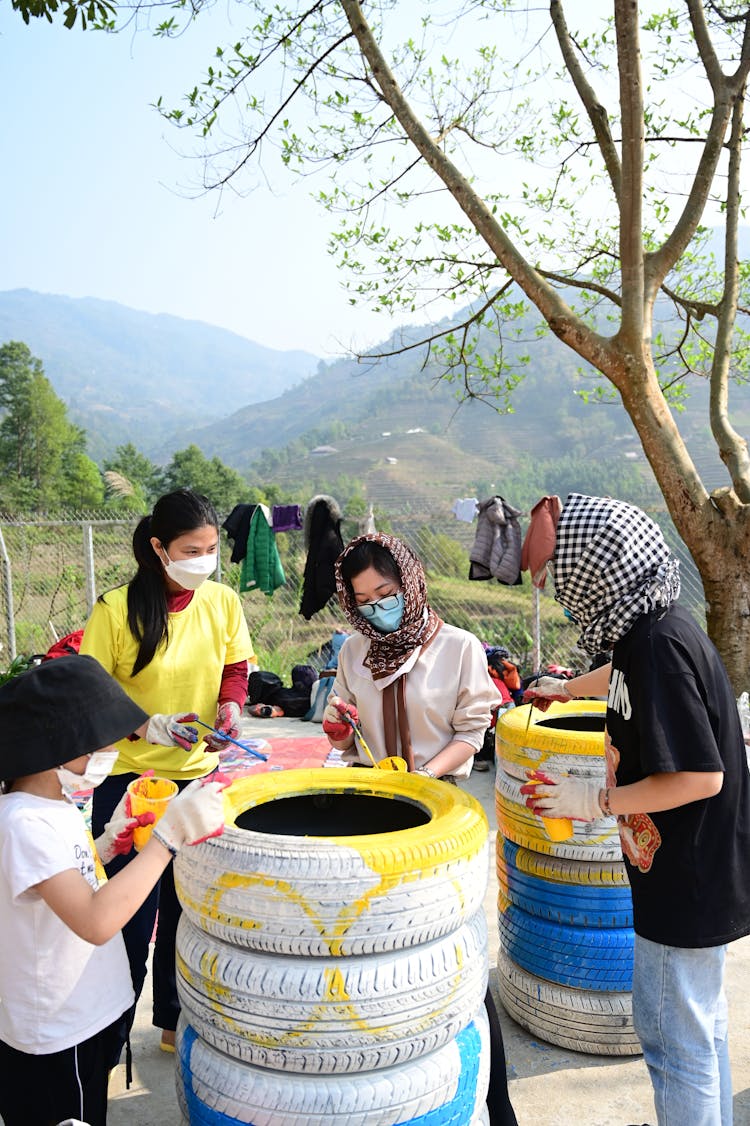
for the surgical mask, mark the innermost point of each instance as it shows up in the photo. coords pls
(190, 573)
(385, 614)
(98, 768)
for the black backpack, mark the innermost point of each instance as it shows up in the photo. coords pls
(262, 687)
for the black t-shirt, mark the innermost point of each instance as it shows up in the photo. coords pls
(671, 707)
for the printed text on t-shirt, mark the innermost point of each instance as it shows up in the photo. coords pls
(618, 698)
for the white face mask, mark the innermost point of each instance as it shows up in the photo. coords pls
(190, 573)
(98, 768)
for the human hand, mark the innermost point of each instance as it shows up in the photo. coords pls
(335, 725)
(227, 722)
(574, 798)
(117, 838)
(196, 814)
(544, 691)
(171, 730)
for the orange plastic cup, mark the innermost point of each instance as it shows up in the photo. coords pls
(149, 795)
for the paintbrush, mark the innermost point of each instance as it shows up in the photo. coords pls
(229, 739)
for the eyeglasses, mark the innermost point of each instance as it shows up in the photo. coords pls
(369, 609)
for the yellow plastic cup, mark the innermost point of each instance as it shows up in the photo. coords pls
(556, 828)
(149, 795)
(394, 762)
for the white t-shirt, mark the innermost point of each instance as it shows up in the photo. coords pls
(55, 989)
(449, 695)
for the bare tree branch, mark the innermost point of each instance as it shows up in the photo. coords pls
(732, 447)
(597, 113)
(725, 90)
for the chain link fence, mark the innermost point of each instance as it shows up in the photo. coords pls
(54, 569)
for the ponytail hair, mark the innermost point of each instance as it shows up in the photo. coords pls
(148, 617)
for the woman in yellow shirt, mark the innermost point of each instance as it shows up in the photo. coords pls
(178, 645)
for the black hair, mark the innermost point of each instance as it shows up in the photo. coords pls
(148, 618)
(369, 554)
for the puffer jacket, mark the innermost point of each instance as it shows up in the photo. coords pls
(496, 553)
(322, 531)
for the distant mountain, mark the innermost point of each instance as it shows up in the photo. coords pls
(405, 433)
(133, 376)
(395, 424)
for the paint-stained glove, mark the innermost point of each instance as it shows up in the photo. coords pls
(228, 722)
(542, 692)
(334, 724)
(552, 795)
(172, 730)
(117, 838)
(196, 814)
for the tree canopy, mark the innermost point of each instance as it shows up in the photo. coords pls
(97, 12)
(43, 464)
(576, 160)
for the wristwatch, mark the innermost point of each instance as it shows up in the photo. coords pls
(426, 771)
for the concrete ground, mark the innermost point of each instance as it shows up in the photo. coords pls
(548, 1086)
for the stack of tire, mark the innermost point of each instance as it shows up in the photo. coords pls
(332, 955)
(565, 965)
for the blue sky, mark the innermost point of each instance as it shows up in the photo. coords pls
(93, 195)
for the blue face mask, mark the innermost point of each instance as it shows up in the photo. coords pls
(385, 614)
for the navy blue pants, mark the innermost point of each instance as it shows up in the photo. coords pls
(137, 932)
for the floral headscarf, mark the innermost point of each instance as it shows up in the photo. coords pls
(611, 566)
(388, 651)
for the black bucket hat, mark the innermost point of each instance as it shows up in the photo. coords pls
(59, 710)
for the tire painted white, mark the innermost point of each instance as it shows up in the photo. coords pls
(583, 1020)
(446, 1087)
(596, 840)
(326, 1015)
(339, 896)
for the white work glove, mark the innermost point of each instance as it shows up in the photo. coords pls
(335, 725)
(117, 838)
(196, 814)
(542, 692)
(171, 730)
(228, 722)
(552, 795)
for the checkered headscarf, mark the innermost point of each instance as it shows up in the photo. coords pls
(611, 565)
(388, 651)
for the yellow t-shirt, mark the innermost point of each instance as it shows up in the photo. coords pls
(184, 676)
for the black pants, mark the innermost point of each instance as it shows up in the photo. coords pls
(44, 1090)
(498, 1101)
(137, 931)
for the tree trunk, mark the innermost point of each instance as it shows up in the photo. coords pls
(728, 615)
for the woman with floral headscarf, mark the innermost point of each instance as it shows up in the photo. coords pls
(420, 689)
(678, 783)
(420, 686)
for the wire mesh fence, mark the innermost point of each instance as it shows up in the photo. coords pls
(54, 569)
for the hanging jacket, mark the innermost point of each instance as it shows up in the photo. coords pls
(539, 541)
(261, 568)
(496, 553)
(322, 531)
(286, 517)
(237, 527)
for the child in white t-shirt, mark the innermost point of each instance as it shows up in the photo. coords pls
(64, 974)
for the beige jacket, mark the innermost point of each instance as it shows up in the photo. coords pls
(449, 695)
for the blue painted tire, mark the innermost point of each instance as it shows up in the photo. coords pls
(447, 1087)
(578, 905)
(600, 960)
